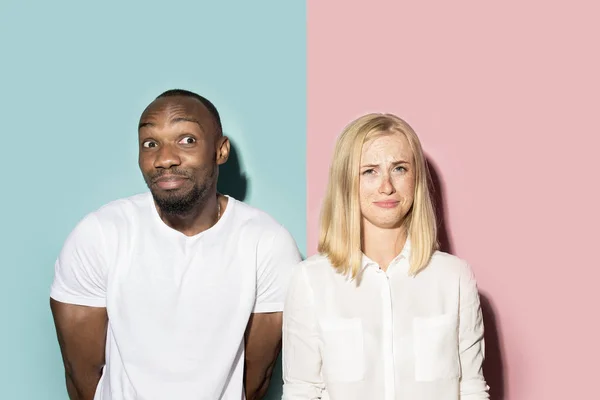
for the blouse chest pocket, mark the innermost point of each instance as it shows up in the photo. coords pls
(436, 347)
(343, 349)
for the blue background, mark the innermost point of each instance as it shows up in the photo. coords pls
(74, 78)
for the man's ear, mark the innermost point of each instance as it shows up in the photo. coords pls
(223, 148)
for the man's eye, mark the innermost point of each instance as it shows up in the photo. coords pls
(149, 144)
(187, 140)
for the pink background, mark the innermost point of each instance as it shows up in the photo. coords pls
(506, 100)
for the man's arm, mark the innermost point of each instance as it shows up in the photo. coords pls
(263, 344)
(78, 304)
(81, 332)
(276, 258)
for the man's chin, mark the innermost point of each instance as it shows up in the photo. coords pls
(170, 195)
(157, 191)
(175, 201)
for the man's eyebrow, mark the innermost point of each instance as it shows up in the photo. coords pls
(145, 124)
(186, 119)
(172, 122)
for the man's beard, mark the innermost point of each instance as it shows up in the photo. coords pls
(174, 203)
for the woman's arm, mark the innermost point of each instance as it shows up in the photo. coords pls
(471, 342)
(301, 348)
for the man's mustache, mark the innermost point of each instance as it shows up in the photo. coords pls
(171, 172)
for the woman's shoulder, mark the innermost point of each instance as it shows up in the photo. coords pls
(317, 268)
(316, 262)
(446, 263)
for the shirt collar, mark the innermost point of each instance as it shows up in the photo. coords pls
(405, 253)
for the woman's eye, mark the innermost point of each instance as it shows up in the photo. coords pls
(368, 172)
(187, 140)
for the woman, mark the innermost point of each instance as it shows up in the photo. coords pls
(379, 313)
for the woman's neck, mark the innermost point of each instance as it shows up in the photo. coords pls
(382, 245)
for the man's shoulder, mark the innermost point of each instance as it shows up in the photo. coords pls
(116, 214)
(102, 227)
(259, 227)
(125, 207)
(253, 217)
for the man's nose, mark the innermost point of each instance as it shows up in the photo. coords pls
(166, 157)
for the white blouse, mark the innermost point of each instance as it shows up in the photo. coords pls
(392, 337)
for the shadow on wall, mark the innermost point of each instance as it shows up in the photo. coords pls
(232, 180)
(493, 366)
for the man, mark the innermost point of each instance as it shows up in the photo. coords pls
(174, 294)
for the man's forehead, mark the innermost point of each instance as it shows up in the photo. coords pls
(171, 107)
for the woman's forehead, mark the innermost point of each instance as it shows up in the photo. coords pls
(386, 143)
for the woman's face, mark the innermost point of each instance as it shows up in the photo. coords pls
(387, 180)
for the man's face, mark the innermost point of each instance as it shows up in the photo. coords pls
(179, 150)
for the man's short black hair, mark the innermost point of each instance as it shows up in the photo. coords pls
(186, 93)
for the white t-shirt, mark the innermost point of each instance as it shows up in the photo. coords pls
(178, 306)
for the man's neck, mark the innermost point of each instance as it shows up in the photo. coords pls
(200, 218)
(382, 245)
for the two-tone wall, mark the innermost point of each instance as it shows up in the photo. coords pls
(505, 98)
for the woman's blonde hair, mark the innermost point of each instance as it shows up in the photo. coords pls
(341, 219)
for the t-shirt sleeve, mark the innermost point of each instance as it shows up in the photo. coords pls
(277, 257)
(80, 270)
